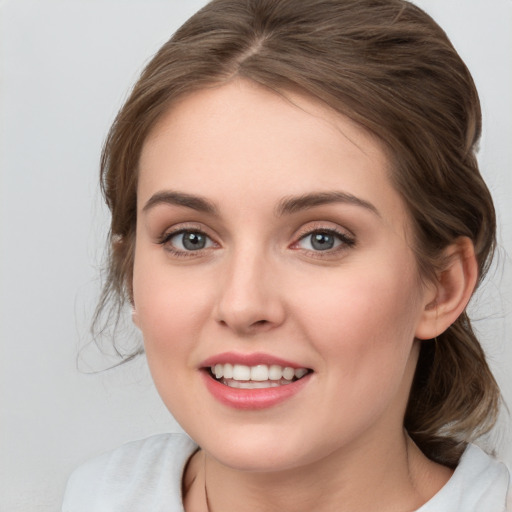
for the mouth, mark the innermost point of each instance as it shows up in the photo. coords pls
(253, 381)
(260, 376)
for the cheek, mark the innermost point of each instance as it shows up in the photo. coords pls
(169, 308)
(365, 320)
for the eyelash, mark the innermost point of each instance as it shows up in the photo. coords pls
(345, 240)
(165, 239)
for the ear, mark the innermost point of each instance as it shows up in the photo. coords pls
(447, 298)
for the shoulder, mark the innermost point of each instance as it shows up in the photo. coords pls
(141, 475)
(480, 482)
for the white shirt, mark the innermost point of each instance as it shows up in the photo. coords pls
(146, 476)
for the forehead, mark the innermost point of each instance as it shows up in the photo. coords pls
(244, 139)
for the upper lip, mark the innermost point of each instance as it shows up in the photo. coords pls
(248, 360)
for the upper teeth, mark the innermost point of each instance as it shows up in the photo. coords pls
(260, 372)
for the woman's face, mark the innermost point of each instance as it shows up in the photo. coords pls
(271, 245)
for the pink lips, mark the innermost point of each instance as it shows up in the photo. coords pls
(251, 399)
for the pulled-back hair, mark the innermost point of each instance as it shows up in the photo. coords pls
(388, 66)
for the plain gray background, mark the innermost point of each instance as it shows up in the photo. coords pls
(65, 68)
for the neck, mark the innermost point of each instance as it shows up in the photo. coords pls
(397, 473)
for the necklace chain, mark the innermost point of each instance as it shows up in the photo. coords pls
(208, 509)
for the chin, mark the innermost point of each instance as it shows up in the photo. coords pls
(263, 450)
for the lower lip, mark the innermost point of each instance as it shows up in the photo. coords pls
(253, 398)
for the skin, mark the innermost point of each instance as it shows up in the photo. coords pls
(352, 314)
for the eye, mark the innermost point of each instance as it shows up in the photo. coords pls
(187, 241)
(324, 240)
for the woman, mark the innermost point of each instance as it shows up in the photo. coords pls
(298, 222)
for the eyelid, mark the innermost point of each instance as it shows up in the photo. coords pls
(171, 234)
(327, 226)
(184, 227)
(346, 237)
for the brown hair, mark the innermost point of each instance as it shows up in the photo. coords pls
(388, 66)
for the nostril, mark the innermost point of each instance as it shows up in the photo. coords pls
(260, 323)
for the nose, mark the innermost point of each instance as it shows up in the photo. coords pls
(250, 299)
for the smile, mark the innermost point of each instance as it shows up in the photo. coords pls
(253, 381)
(256, 377)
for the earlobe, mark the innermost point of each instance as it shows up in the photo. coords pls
(453, 289)
(135, 317)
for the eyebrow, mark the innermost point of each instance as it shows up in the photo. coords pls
(286, 206)
(181, 199)
(291, 205)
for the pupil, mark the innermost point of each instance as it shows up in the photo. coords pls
(193, 241)
(322, 241)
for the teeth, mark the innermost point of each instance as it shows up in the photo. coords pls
(300, 372)
(253, 385)
(275, 372)
(260, 373)
(288, 373)
(228, 371)
(241, 372)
